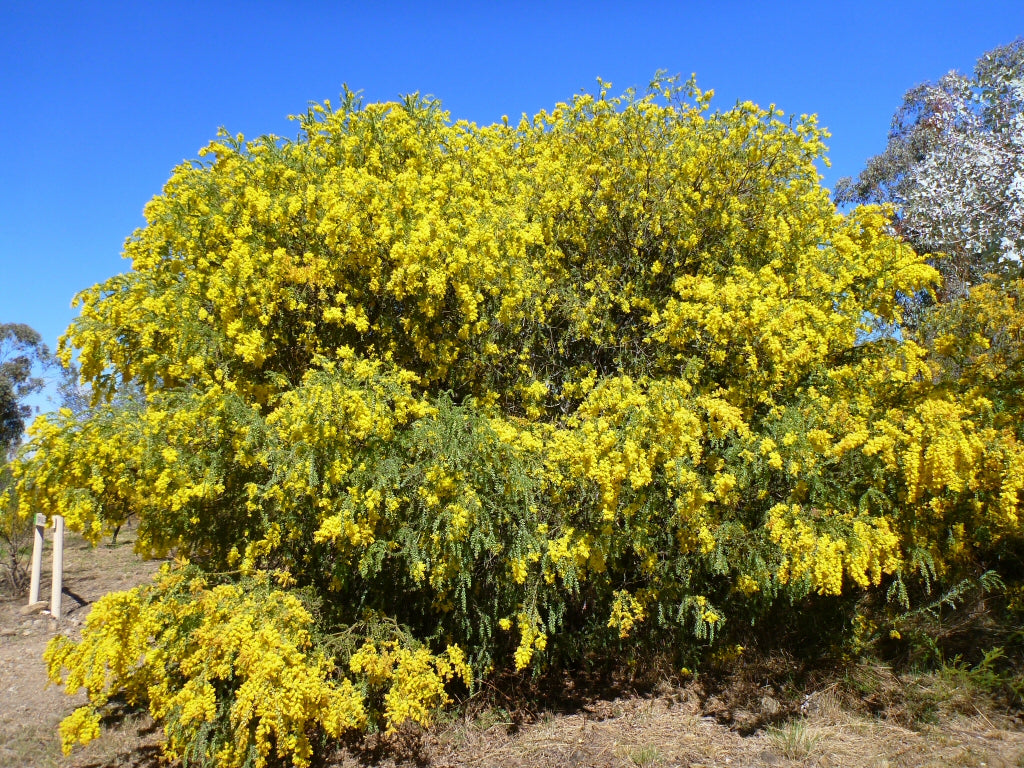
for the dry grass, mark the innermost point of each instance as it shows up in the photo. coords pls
(795, 740)
(672, 730)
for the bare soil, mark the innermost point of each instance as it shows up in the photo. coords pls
(675, 725)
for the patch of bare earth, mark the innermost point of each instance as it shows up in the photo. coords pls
(675, 726)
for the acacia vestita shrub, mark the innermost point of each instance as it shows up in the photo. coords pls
(414, 400)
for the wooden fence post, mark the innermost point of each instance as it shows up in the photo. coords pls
(37, 559)
(58, 565)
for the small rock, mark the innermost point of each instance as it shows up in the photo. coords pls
(743, 719)
(28, 610)
(770, 706)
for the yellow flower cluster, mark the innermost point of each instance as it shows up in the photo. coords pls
(414, 678)
(179, 645)
(176, 646)
(864, 551)
(627, 612)
(532, 638)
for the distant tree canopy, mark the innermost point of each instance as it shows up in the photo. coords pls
(22, 356)
(415, 400)
(21, 350)
(955, 167)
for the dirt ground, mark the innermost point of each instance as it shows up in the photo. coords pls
(673, 726)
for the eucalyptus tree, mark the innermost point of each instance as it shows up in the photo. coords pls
(954, 167)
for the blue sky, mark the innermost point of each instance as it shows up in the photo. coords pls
(99, 101)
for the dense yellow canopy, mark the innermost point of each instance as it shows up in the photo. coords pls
(526, 389)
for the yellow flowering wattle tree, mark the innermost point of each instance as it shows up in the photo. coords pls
(415, 400)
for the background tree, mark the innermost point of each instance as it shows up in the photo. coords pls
(954, 166)
(22, 356)
(22, 352)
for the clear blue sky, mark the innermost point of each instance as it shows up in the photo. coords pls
(99, 100)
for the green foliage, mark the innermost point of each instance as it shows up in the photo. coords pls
(21, 351)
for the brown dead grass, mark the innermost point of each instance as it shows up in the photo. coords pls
(670, 730)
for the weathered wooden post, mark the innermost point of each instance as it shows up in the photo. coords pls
(58, 565)
(37, 559)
